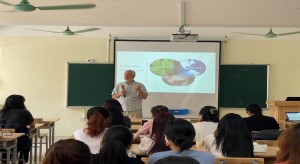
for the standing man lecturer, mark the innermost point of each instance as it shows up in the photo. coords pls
(130, 94)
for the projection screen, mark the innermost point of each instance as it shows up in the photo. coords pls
(175, 74)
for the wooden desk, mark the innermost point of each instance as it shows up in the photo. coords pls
(136, 121)
(271, 152)
(10, 142)
(270, 155)
(49, 123)
(136, 150)
(287, 124)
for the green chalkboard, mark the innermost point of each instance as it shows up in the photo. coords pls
(89, 84)
(243, 84)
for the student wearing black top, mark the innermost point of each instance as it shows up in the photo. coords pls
(257, 121)
(14, 115)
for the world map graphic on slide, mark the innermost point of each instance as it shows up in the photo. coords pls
(178, 73)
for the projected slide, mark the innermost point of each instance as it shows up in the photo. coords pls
(170, 72)
(177, 73)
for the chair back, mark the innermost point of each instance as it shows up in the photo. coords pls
(234, 160)
(180, 113)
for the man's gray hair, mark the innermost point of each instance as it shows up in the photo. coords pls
(131, 71)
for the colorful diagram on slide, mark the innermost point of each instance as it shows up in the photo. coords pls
(178, 73)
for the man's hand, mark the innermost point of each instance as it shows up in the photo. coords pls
(138, 88)
(123, 93)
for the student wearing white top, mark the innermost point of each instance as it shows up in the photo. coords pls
(209, 118)
(231, 139)
(96, 126)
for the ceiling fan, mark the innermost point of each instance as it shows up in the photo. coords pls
(270, 34)
(67, 31)
(25, 6)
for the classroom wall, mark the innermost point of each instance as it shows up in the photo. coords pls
(283, 57)
(36, 67)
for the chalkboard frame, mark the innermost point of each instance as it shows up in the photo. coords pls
(92, 89)
(251, 80)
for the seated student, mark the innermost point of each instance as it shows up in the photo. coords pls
(68, 151)
(112, 103)
(116, 117)
(289, 144)
(177, 160)
(231, 139)
(96, 126)
(146, 129)
(262, 127)
(209, 118)
(180, 136)
(116, 141)
(15, 115)
(155, 142)
(257, 121)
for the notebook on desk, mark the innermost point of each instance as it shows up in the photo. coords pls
(293, 116)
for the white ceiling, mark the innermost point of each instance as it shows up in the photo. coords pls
(157, 19)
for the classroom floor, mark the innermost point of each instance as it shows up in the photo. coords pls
(44, 149)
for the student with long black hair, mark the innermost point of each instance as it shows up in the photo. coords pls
(155, 142)
(15, 115)
(231, 139)
(146, 129)
(116, 117)
(116, 141)
(112, 103)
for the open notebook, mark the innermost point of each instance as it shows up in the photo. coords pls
(293, 116)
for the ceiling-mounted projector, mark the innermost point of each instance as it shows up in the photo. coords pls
(184, 36)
